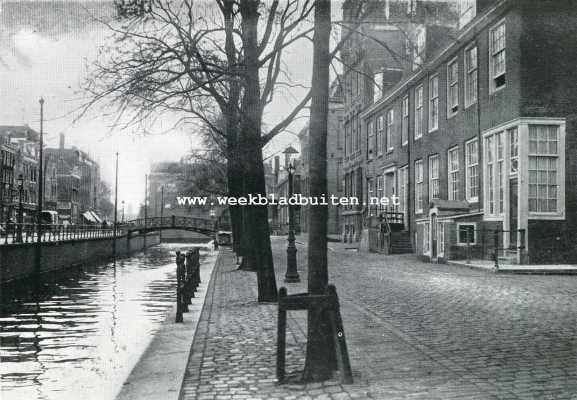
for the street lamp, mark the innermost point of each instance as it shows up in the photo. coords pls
(292, 274)
(20, 182)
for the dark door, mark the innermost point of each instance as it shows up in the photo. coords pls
(513, 207)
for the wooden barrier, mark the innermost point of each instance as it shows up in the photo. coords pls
(327, 303)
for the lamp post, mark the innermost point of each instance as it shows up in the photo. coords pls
(115, 208)
(292, 274)
(122, 211)
(40, 192)
(20, 208)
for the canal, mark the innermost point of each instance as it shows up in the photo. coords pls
(79, 335)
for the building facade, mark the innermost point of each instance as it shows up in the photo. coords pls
(479, 141)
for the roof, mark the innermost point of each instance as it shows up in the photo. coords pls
(19, 131)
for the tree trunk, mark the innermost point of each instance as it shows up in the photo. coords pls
(320, 360)
(259, 253)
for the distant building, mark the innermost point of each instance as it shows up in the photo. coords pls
(335, 148)
(20, 157)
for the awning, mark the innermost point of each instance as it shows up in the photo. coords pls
(96, 217)
(88, 217)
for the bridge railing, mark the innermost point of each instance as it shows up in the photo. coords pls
(172, 222)
(11, 233)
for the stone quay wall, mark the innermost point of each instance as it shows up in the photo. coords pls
(17, 261)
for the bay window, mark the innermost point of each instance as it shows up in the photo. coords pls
(543, 168)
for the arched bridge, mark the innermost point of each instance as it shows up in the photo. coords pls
(201, 225)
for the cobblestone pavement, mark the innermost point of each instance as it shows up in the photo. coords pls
(415, 331)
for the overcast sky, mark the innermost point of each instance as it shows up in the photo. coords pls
(46, 49)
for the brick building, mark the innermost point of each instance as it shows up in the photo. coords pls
(335, 148)
(478, 135)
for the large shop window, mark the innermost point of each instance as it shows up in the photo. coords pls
(543, 168)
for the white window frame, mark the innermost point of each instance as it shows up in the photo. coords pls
(470, 71)
(380, 179)
(467, 11)
(380, 134)
(389, 129)
(440, 239)
(434, 177)
(433, 103)
(474, 225)
(453, 184)
(370, 139)
(452, 109)
(419, 111)
(493, 75)
(403, 188)
(547, 156)
(468, 197)
(419, 183)
(405, 121)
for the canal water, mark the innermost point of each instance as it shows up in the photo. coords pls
(79, 335)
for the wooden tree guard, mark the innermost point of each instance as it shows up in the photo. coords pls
(328, 303)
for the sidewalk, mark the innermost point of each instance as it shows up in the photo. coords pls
(234, 351)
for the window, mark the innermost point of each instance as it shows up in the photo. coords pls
(419, 49)
(377, 86)
(513, 150)
(380, 134)
(466, 234)
(472, 172)
(467, 11)
(347, 139)
(405, 121)
(390, 123)
(370, 195)
(433, 103)
(440, 239)
(453, 170)
(543, 168)
(426, 238)
(419, 186)
(471, 76)
(419, 112)
(380, 190)
(489, 175)
(370, 139)
(403, 190)
(452, 88)
(497, 57)
(434, 177)
(500, 171)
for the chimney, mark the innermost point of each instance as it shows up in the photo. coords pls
(276, 168)
(61, 145)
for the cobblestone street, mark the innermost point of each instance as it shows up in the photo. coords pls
(414, 330)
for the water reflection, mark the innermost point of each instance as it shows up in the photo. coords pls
(80, 334)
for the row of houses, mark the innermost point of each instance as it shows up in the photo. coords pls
(464, 112)
(71, 179)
